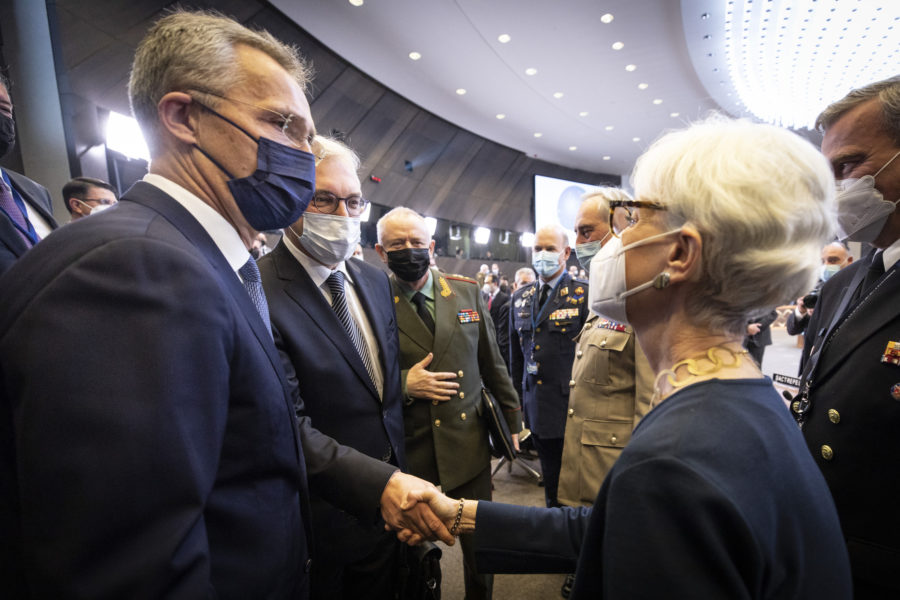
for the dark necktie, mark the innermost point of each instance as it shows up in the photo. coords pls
(545, 292)
(874, 273)
(422, 310)
(8, 204)
(335, 284)
(253, 284)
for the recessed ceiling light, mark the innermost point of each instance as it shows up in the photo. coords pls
(356, 2)
(531, 71)
(538, 134)
(643, 86)
(573, 148)
(618, 46)
(558, 95)
(609, 127)
(630, 67)
(607, 18)
(583, 113)
(657, 101)
(606, 157)
(503, 38)
(673, 115)
(635, 139)
(415, 55)
(501, 116)
(461, 91)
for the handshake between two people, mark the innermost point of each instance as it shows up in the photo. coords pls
(418, 511)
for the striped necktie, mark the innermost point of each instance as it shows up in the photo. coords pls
(253, 284)
(335, 284)
(9, 206)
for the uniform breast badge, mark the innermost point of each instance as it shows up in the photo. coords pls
(895, 391)
(396, 299)
(468, 315)
(891, 354)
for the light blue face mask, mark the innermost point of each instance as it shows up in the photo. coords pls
(546, 263)
(829, 270)
(586, 251)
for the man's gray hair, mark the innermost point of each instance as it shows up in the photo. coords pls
(186, 51)
(400, 211)
(887, 91)
(324, 147)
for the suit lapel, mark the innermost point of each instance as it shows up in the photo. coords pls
(408, 320)
(445, 310)
(866, 318)
(306, 295)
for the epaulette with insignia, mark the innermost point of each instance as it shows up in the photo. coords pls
(461, 278)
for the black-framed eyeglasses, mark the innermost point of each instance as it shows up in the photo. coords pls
(293, 128)
(326, 202)
(628, 210)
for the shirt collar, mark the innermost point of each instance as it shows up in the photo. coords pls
(427, 289)
(316, 270)
(221, 231)
(553, 281)
(891, 254)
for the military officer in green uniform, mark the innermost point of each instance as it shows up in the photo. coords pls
(611, 384)
(544, 318)
(447, 349)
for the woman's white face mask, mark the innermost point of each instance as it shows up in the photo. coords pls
(609, 288)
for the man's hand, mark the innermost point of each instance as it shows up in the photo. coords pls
(422, 383)
(416, 519)
(753, 328)
(441, 506)
(801, 308)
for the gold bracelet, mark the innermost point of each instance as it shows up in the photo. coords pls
(454, 531)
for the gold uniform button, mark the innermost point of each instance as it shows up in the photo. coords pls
(563, 330)
(462, 395)
(537, 346)
(459, 374)
(571, 383)
(834, 416)
(435, 402)
(538, 330)
(437, 422)
(578, 354)
(571, 411)
(462, 416)
(539, 382)
(603, 343)
(613, 439)
(827, 452)
(796, 406)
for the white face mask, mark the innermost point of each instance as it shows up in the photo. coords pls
(609, 288)
(93, 210)
(486, 288)
(330, 239)
(862, 210)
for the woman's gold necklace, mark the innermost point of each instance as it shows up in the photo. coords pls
(698, 367)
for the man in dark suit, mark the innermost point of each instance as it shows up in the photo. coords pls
(169, 462)
(849, 405)
(85, 196)
(758, 335)
(26, 214)
(496, 300)
(835, 256)
(447, 349)
(545, 318)
(341, 344)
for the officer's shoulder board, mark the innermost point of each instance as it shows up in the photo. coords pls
(455, 277)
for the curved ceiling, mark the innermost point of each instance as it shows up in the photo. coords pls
(606, 114)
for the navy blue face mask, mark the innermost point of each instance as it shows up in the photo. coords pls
(280, 189)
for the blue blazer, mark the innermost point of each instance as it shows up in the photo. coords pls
(338, 395)
(12, 246)
(157, 453)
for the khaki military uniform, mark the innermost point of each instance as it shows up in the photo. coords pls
(610, 392)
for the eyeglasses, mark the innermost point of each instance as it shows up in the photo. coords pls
(326, 202)
(292, 127)
(98, 200)
(628, 209)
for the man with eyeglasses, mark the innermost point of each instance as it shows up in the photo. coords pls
(88, 196)
(170, 463)
(336, 330)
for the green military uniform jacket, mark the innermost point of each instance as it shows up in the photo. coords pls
(610, 391)
(447, 442)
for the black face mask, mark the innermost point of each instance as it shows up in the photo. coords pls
(409, 264)
(7, 135)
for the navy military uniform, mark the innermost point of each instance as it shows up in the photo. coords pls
(541, 351)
